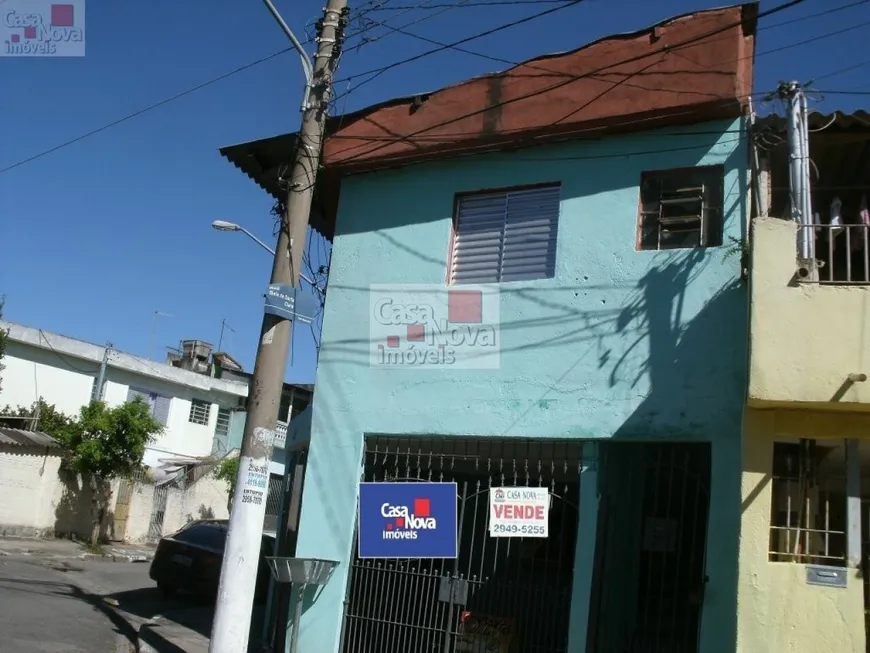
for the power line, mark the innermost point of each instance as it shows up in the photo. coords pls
(562, 3)
(859, 93)
(376, 72)
(139, 112)
(379, 71)
(687, 43)
(840, 71)
(457, 5)
(401, 30)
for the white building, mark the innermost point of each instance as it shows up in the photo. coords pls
(64, 371)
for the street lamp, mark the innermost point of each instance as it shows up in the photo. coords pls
(223, 225)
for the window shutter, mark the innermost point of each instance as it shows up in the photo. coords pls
(529, 249)
(508, 236)
(478, 238)
(160, 409)
(133, 394)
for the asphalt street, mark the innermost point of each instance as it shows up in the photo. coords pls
(66, 606)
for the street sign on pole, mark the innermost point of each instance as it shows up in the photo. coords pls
(289, 303)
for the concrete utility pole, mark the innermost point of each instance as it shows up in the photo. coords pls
(100, 388)
(241, 554)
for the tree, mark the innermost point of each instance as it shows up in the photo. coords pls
(228, 470)
(4, 337)
(41, 416)
(106, 443)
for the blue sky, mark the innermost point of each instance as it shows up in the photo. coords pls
(100, 234)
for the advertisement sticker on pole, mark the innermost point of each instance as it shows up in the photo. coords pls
(519, 512)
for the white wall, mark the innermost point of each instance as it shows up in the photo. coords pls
(206, 498)
(28, 484)
(31, 372)
(66, 381)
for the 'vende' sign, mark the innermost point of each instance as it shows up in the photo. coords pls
(519, 511)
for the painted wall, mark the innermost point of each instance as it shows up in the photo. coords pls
(829, 322)
(67, 382)
(204, 499)
(28, 483)
(620, 344)
(38, 499)
(777, 610)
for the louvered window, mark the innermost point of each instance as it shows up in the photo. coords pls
(505, 236)
(158, 404)
(681, 208)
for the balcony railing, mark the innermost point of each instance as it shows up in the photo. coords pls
(842, 253)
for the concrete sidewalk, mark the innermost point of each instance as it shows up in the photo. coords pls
(187, 631)
(59, 549)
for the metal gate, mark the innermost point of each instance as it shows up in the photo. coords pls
(158, 512)
(273, 503)
(122, 509)
(524, 584)
(649, 579)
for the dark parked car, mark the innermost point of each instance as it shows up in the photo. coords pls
(190, 559)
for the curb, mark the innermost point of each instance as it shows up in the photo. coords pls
(104, 557)
(148, 641)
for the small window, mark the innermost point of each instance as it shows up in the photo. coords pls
(158, 404)
(808, 504)
(505, 236)
(199, 412)
(222, 425)
(681, 208)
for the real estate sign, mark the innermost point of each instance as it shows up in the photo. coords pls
(519, 512)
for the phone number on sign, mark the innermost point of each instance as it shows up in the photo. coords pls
(516, 529)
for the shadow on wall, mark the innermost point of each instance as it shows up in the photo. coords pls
(696, 374)
(72, 515)
(203, 512)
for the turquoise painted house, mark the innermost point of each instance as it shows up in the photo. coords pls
(536, 282)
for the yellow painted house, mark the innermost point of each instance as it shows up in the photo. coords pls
(806, 446)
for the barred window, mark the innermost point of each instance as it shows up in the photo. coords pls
(808, 507)
(199, 412)
(681, 208)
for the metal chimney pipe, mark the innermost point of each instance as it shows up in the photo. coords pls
(799, 168)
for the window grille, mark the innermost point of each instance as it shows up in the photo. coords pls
(505, 236)
(222, 425)
(808, 511)
(681, 208)
(199, 412)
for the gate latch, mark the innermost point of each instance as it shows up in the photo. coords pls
(453, 590)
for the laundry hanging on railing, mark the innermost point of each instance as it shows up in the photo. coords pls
(836, 216)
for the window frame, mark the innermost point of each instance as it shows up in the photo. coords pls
(191, 413)
(151, 398)
(709, 237)
(819, 537)
(505, 190)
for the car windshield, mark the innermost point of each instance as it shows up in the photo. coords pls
(209, 534)
(213, 535)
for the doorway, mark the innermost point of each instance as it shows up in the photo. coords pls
(650, 572)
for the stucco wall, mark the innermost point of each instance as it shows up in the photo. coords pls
(204, 499)
(620, 344)
(39, 499)
(806, 338)
(777, 610)
(28, 481)
(66, 382)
